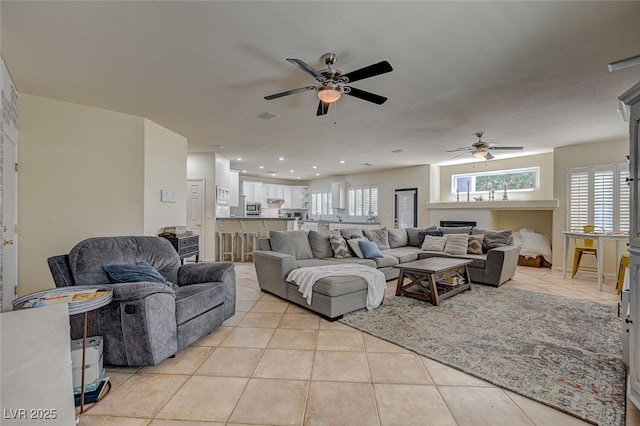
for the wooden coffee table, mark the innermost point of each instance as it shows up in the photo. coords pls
(426, 277)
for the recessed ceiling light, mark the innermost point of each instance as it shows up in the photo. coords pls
(281, 158)
(342, 161)
(298, 177)
(291, 171)
(273, 174)
(239, 159)
(314, 167)
(244, 171)
(269, 116)
(317, 174)
(262, 167)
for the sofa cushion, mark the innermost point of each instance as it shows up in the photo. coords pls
(386, 260)
(338, 245)
(404, 254)
(294, 243)
(320, 244)
(475, 244)
(195, 299)
(339, 286)
(433, 243)
(129, 273)
(423, 234)
(347, 232)
(369, 249)
(303, 263)
(397, 237)
(378, 236)
(457, 244)
(455, 229)
(494, 239)
(354, 244)
(412, 235)
(367, 262)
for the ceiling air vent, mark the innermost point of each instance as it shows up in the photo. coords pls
(366, 164)
(397, 151)
(269, 116)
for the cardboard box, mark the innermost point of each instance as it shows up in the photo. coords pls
(93, 361)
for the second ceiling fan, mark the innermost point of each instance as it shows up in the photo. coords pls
(332, 84)
(481, 148)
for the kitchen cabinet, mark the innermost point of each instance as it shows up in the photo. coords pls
(631, 326)
(287, 195)
(234, 188)
(339, 195)
(299, 197)
(253, 191)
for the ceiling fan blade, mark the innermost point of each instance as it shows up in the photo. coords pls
(366, 96)
(465, 148)
(370, 71)
(513, 148)
(323, 108)
(457, 156)
(289, 92)
(489, 156)
(306, 67)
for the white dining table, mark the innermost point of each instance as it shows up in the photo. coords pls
(599, 238)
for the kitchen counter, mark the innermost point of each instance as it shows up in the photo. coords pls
(347, 222)
(255, 218)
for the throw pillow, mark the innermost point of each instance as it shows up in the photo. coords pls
(455, 229)
(412, 234)
(475, 244)
(433, 243)
(294, 243)
(369, 249)
(320, 244)
(354, 244)
(129, 273)
(398, 237)
(351, 231)
(456, 244)
(338, 245)
(378, 236)
(493, 239)
(423, 234)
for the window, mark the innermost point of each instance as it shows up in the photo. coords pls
(599, 195)
(363, 201)
(321, 203)
(515, 180)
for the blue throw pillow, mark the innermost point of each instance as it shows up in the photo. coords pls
(422, 234)
(369, 249)
(129, 273)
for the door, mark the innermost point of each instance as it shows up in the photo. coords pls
(406, 208)
(10, 223)
(195, 210)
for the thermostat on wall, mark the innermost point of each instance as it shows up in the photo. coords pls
(167, 196)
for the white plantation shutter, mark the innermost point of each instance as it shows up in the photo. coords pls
(374, 200)
(603, 199)
(352, 202)
(624, 200)
(578, 198)
(599, 196)
(362, 200)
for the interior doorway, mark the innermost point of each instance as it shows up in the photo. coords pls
(195, 210)
(9, 223)
(406, 208)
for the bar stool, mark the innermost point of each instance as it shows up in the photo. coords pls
(222, 237)
(248, 239)
(624, 263)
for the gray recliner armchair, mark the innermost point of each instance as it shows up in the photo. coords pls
(147, 322)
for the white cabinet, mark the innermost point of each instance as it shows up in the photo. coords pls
(287, 195)
(234, 188)
(339, 195)
(253, 191)
(299, 197)
(631, 100)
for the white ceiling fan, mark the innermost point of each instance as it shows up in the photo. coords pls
(480, 149)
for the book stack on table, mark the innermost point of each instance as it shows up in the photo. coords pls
(100, 390)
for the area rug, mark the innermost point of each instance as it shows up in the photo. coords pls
(562, 352)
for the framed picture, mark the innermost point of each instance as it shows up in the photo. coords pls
(222, 195)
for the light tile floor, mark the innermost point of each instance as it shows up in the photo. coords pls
(275, 363)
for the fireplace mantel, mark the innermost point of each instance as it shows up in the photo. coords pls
(496, 205)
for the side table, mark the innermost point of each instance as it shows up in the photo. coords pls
(81, 300)
(185, 245)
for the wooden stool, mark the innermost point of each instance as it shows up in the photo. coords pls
(624, 263)
(222, 237)
(248, 238)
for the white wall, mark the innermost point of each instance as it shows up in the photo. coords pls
(165, 168)
(82, 174)
(566, 157)
(203, 166)
(388, 181)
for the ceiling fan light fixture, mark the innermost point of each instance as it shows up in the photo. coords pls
(329, 94)
(479, 154)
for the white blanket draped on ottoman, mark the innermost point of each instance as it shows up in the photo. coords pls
(306, 277)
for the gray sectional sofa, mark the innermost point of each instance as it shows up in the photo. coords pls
(335, 296)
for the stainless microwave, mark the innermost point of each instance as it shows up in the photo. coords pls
(253, 209)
